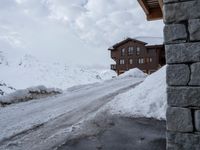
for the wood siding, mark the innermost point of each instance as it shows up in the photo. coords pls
(155, 53)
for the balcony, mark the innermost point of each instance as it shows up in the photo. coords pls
(113, 67)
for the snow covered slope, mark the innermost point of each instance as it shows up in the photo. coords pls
(25, 71)
(3, 60)
(146, 100)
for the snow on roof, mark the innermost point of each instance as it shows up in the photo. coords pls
(151, 40)
(145, 40)
(125, 41)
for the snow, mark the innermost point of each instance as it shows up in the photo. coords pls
(107, 74)
(146, 100)
(26, 71)
(77, 103)
(28, 94)
(73, 105)
(151, 40)
(3, 60)
(136, 73)
(5, 89)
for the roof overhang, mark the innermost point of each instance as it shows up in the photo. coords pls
(125, 41)
(152, 8)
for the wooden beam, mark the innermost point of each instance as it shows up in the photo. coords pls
(144, 5)
(152, 8)
(155, 14)
(161, 4)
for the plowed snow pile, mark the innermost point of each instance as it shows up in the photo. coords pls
(28, 94)
(136, 73)
(146, 100)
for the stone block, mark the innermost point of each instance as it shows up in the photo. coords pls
(183, 96)
(183, 53)
(169, 1)
(183, 141)
(194, 29)
(171, 146)
(197, 120)
(175, 33)
(179, 119)
(178, 74)
(195, 74)
(182, 11)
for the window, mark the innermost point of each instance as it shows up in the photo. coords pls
(121, 61)
(123, 52)
(113, 67)
(149, 60)
(137, 50)
(131, 61)
(130, 50)
(141, 61)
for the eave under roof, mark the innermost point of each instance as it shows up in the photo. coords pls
(152, 8)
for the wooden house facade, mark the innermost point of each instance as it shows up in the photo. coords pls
(131, 53)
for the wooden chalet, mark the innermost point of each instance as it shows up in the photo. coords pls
(152, 8)
(133, 53)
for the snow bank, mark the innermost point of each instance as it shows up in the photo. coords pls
(28, 94)
(107, 74)
(136, 73)
(5, 89)
(146, 100)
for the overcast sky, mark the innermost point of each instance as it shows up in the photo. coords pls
(73, 31)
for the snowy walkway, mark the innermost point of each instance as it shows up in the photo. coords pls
(44, 123)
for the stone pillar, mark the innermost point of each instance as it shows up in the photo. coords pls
(182, 44)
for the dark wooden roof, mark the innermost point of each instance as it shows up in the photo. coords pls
(152, 8)
(125, 41)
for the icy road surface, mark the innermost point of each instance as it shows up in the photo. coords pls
(44, 123)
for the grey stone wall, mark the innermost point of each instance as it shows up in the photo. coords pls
(182, 42)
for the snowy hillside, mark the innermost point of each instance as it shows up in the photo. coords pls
(146, 100)
(3, 60)
(26, 71)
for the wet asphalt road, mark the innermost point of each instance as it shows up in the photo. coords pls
(45, 124)
(123, 134)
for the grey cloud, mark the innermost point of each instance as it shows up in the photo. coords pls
(51, 28)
